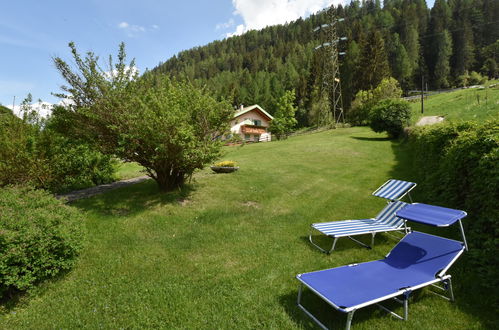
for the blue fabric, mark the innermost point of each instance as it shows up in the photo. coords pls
(415, 260)
(384, 221)
(431, 215)
(394, 189)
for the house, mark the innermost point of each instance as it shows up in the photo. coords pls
(252, 124)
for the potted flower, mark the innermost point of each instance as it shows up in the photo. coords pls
(227, 166)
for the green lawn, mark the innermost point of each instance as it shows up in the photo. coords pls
(223, 253)
(467, 104)
(128, 170)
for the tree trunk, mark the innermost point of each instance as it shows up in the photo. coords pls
(168, 181)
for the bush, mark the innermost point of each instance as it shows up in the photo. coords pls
(46, 159)
(40, 237)
(390, 116)
(456, 165)
(476, 78)
(365, 100)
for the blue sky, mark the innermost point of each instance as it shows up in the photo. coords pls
(34, 31)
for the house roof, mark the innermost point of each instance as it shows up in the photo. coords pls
(253, 107)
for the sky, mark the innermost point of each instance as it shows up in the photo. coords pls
(33, 32)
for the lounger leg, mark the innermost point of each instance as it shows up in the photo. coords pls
(406, 308)
(359, 242)
(335, 239)
(298, 302)
(334, 244)
(448, 283)
(372, 240)
(349, 320)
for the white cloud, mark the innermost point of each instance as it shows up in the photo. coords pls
(258, 14)
(110, 74)
(133, 30)
(226, 25)
(44, 109)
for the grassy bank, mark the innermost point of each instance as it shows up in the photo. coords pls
(223, 252)
(467, 104)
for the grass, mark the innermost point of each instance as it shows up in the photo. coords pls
(466, 104)
(128, 170)
(224, 251)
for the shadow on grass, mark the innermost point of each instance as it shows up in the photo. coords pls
(334, 319)
(374, 139)
(133, 199)
(12, 299)
(344, 243)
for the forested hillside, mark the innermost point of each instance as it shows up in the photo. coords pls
(403, 38)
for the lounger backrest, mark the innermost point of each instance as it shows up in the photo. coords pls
(387, 215)
(394, 189)
(425, 253)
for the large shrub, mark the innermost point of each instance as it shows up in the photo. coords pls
(169, 127)
(39, 237)
(32, 152)
(364, 101)
(390, 116)
(457, 165)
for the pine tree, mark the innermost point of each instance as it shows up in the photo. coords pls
(401, 65)
(442, 67)
(373, 64)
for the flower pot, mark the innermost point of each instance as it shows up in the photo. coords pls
(223, 169)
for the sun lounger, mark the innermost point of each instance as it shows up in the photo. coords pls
(385, 221)
(418, 260)
(395, 190)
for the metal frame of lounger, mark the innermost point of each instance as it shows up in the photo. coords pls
(403, 292)
(385, 221)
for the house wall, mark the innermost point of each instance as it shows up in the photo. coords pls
(237, 122)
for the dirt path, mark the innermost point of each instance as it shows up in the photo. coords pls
(429, 120)
(92, 191)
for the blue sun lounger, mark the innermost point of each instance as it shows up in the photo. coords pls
(392, 190)
(418, 260)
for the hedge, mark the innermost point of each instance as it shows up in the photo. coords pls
(457, 165)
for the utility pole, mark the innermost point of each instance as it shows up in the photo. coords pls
(331, 83)
(422, 93)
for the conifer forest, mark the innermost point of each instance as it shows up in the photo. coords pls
(404, 39)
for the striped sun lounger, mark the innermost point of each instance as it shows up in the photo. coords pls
(395, 189)
(418, 260)
(392, 190)
(385, 221)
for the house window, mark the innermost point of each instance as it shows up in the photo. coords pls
(257, 122)
(247, 137)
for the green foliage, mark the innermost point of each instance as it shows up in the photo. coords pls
(374, 62)
(442, 66)
(365, 100)
(284, 120)
(391, 116)
(457, 166)
(40, 237)
(166, 126)
(33, 153)
(473, 78)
